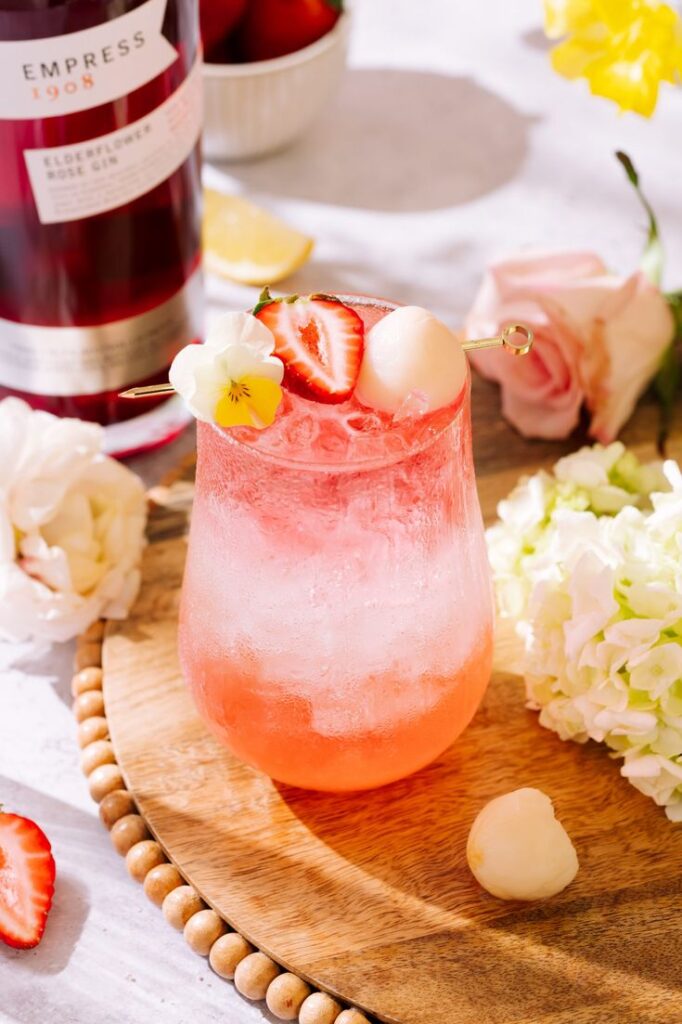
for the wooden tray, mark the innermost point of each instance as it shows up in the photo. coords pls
(369, 896)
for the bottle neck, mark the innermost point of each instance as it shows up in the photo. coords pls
(43, 19)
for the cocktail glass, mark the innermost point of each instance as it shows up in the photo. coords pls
(336, 614)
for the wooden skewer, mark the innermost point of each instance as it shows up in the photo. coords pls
(147, 390)
(504, 340)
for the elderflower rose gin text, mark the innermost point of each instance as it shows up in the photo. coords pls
(336, 618)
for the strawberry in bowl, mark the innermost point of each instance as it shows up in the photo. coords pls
(27, 873)
(273, 28)
(218, 19)
(272, 75)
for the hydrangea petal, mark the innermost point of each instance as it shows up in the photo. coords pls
(598, 603)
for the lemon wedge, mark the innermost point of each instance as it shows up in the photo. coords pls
(247, 244)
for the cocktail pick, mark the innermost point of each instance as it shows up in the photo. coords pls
(147, 391)
(517, 339)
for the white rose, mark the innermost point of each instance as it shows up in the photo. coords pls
(71, 527)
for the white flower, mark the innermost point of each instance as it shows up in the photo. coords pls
(593, 605)
(613, 476)
(593, 557)
(233, 379)
(657, 670)
(590, 466)
(71, 527)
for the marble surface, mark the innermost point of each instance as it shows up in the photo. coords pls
(451, 141)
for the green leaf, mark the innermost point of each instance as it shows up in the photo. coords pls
(674, 300)
(667, 385)
(652, 257)
(667, 382)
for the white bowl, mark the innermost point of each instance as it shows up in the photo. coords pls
(253, 109)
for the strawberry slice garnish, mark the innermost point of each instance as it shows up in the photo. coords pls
(320, 341)
(26, 881)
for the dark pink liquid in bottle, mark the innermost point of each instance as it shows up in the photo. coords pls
(100, 112)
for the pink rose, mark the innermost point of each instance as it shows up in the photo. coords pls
(599, 340)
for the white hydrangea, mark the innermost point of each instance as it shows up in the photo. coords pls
(588, 561)
(72, 526)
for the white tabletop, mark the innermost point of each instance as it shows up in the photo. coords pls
(451, 141)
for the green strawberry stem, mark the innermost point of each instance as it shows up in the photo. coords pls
(265, 299)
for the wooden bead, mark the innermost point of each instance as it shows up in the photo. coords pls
(351, 1016)
(87, 679)
(180, 904)
(94, 633)
(95, 754)
(87, 705)
(319, 1008)
(285, 996)
(104, 780)
(254, 974)
(114, 806)
(142, 857)
(202, 930)
(88, 655)
(228, 951)
(91, 730)
(127, 831)
(160, 881)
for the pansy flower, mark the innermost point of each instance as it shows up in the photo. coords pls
(233, 379)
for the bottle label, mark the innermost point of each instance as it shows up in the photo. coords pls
(90, 360)
(63, 74)
(86, 178)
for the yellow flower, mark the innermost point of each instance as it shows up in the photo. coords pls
(624, 48)
(248, 402)
(234, 378)
(564, 16)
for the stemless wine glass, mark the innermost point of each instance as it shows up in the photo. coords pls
(336, 615)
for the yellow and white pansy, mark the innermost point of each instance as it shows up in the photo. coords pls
(233, 379)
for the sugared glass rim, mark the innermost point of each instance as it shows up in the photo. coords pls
(361, 464)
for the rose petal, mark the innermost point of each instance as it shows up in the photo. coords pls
(598, 338)
(71, 527)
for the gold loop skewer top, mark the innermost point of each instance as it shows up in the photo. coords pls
(517, 339)
(505, 340)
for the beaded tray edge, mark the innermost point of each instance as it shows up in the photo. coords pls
(255, 975)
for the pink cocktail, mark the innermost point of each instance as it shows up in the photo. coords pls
(336, 619)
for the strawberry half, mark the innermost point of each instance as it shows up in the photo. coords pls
(27, 873)
(320, 341)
